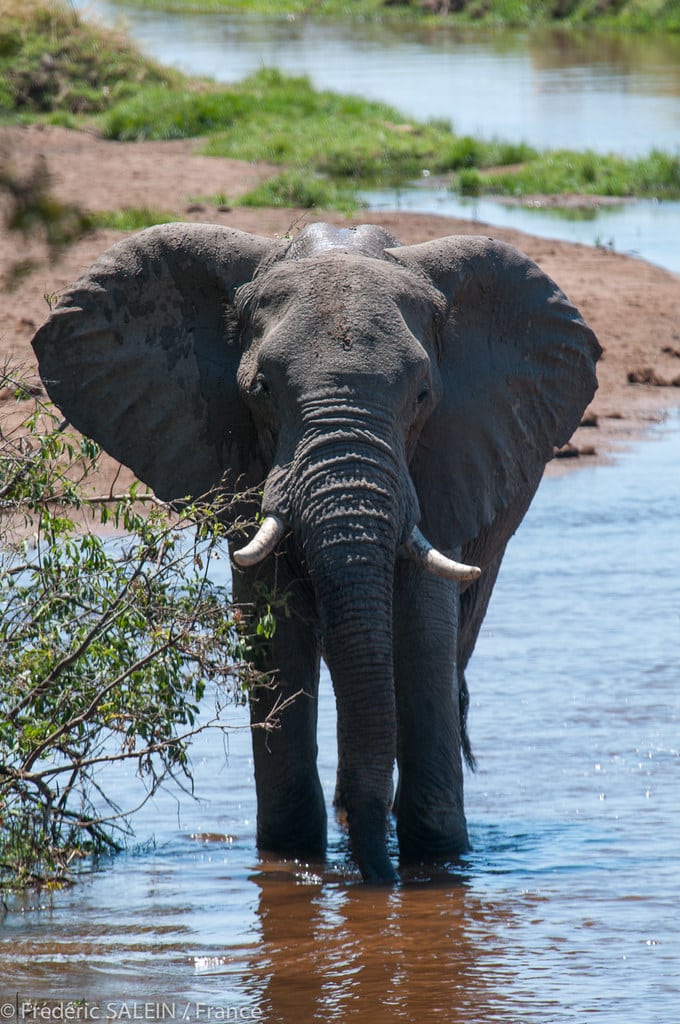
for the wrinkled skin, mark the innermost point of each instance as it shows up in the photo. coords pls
(370, 387)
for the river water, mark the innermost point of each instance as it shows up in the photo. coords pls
(617, 93)
(566, 908)
(564, 911)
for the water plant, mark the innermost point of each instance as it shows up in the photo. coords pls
(565, 171)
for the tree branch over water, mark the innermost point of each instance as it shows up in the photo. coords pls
(108, 645)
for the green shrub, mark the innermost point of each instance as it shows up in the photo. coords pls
(470, 182)
(465, 152)
(106, 649)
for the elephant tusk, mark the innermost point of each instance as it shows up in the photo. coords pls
(263, 543)
(422, 552)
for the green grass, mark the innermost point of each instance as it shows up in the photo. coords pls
(52, 64)
(283, 120)
(132, 219)
(161, 113)
(562, 171)
(329, 145)
(628, 15)
(300, 191)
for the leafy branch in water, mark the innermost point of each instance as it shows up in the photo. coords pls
(108, 644)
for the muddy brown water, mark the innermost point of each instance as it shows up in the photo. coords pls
(564, 911)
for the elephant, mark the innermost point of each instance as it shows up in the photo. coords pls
(393, 408)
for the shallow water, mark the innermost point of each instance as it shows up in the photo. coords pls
(565, 910)
(646, 228)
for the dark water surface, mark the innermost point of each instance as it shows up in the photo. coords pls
(565, 911)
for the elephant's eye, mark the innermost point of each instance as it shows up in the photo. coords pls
(423, 396)
(260, 386)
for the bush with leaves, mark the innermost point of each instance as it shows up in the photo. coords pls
(107, 643)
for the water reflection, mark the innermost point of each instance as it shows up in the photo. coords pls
(648, 63)
(358, 955)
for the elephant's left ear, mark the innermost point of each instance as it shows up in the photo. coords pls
(142, 353)
(518, 368)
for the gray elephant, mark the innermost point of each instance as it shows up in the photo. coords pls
(398, 405)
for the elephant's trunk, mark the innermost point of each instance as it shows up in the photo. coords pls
(355, 613)
(352, 507)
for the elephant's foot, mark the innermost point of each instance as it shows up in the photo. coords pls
(295, 824)
(367, 823)
(293, 840)
(312, 849)
(425, 835)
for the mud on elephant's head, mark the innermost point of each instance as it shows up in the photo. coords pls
(381, 394)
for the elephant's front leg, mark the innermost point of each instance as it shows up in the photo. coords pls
(291, 813)
(429, 803)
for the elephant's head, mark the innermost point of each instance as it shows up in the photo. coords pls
(372, 388)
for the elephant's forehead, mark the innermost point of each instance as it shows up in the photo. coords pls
(344, 306)
(339, 281)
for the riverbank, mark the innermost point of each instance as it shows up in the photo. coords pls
(56, 67)
(626, 15)
(633, 306)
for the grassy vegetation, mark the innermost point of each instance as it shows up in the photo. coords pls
(301, 191)
(51, 62)
(135, 218)
(564, 171)
(283, 120)
(331, 145)
(328, 146)
(629, 15)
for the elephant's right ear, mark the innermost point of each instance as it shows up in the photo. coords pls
(142, 353)
(517, 364)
